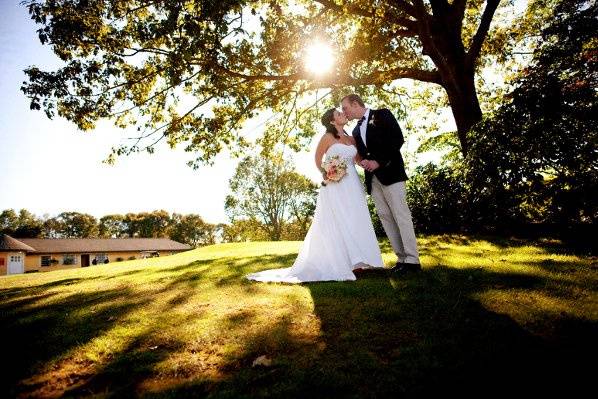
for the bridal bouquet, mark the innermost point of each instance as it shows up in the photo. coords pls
(335, 169)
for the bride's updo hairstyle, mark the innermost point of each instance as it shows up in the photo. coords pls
(327, 119)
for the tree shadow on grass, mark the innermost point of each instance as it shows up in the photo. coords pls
(414, 336)
(123, 375)
(425, 334)
(417, 335)
(44, 324)
(7, 294)
(37, 334)
(552, 246)
(222, 272)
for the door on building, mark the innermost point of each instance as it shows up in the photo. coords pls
(84, 260)
(16, 264)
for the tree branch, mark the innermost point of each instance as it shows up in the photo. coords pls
(410, 24)
(482, 32)
(379, 77)
(405, 7)
(458, 8)
(400, 5)
(374, 78)
(295, 76)
(412, 73)
(406, 33)
(439, 7)
(341, 7)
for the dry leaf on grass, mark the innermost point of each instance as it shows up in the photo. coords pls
(262, 361)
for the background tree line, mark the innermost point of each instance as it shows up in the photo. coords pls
(190, 228)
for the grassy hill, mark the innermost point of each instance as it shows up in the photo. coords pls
(483, 316)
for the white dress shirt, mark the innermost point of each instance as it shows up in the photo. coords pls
(364, 125)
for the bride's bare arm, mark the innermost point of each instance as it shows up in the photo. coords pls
(325, 142)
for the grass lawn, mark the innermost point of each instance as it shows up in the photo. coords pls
(486, 317)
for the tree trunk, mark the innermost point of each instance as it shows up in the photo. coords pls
(442, 42)
(461, 91)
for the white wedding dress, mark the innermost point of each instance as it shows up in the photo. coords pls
(341, 237)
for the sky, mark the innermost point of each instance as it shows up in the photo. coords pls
(49, 166)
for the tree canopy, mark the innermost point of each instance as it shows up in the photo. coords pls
(193, 72)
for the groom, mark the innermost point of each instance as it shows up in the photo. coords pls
(379, 140)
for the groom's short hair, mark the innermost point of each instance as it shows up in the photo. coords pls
(354, 98)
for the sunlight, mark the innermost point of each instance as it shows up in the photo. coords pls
(319, 58)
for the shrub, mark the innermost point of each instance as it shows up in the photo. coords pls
(436, 196)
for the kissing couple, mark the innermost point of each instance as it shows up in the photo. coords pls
(341, 238)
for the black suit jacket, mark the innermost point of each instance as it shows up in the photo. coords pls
(384, 140)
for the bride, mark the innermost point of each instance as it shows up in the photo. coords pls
(341, 237)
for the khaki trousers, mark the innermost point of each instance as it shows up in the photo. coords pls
(394, 213)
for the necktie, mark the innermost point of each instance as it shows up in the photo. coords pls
(360, 121)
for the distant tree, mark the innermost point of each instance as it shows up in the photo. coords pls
(9, 221)
(113, 226)
(191, 229)
(245, 230)
(52, 228)
(27, 225)
(131, 224)
(437, 196)
(267, 189)
(302, 204)
(75, 225)
(148, 224)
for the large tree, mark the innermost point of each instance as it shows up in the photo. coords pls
(193, 72)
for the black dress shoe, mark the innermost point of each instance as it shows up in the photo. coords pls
(402, 267)
(399, 268)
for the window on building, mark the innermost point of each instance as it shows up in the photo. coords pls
(46, 260)
(15, 258)
(149, 254)
(69, 259)
(101, 258)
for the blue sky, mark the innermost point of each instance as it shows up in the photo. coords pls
(48, 166)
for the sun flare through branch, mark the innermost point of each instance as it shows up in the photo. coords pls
(318, 58)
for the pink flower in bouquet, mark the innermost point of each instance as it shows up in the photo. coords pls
(335, 168)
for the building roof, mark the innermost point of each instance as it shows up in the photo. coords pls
(74, 245)
(8, 244)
